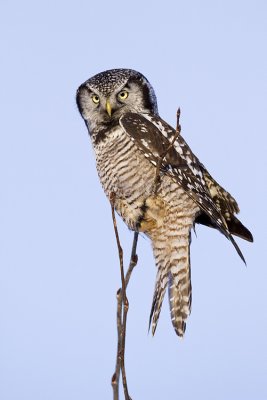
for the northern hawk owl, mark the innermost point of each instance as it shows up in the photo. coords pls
(131, 142)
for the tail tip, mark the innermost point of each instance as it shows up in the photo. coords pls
(180, 329)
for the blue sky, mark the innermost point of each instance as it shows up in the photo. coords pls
(59, 269)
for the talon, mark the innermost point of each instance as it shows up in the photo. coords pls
(112, 196)
(147, 225)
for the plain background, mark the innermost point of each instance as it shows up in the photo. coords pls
(59, 267)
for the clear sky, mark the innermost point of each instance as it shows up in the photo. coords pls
(59, 268)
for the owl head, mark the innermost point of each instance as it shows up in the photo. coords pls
(105, 97)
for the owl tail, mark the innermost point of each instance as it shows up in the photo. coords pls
(173, 262)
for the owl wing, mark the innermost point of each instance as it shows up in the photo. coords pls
(227, 206)
(153, 137)
(225, 203)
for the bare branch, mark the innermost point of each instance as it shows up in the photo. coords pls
(122, 301)
(133, 260)
(122, 310)
(178, 126)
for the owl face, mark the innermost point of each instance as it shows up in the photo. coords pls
(105, 97)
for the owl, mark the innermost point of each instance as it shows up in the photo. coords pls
(132, 145)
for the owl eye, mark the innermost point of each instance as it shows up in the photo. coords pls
(123, 95)
(95, 99)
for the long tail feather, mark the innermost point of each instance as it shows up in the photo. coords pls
(173, 264)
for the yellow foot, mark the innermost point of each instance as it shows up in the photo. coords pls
(154, 214)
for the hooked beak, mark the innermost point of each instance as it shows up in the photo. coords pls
(108, 107)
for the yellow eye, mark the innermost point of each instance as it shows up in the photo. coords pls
(95, 99)
(123, 95)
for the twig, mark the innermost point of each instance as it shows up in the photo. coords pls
(178, 126)
(122, 310)
(122, 301)
(133, 260)
(116, 376)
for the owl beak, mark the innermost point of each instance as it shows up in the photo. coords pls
(108, 108)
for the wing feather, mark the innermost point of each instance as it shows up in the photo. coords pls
(153, 136)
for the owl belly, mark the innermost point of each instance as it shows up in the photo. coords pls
(124, 171)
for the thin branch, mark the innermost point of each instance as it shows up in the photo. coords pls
(133, 260)
(122, 301)
(116, 376)
(178, 126)
(122, 310)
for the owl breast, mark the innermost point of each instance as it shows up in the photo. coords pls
(124, 171)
